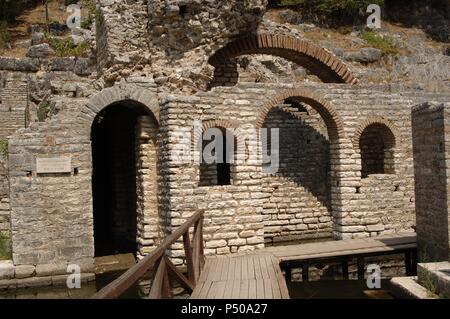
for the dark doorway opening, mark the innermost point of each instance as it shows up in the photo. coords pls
(114, 179)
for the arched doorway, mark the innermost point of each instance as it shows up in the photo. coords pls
(124, 180)
(300, 196)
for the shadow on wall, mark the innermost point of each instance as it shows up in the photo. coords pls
(304, 153)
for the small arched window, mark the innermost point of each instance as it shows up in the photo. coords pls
(217, 157)
(376, 145)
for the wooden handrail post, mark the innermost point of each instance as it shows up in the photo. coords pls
(202, 249)
(166, 292)
(189, 260)
(158, 281)
(161, 287)
(197, 247)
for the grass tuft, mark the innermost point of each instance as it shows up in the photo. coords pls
(4, 148)
(383, 43)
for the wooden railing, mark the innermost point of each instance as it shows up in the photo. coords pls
(165, 269)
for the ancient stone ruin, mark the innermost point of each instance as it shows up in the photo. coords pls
(101, 174)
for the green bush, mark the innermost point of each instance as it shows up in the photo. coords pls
(43, 111)
(383, 43)
(4, 148)
(93, 11)
(86, 22)
(66, 48)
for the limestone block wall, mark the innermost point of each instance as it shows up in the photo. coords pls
(148, 215)
(299, 205)
(52, 214)
(430, 122)
(233, 219)
(13, 107)
(5, 213)
(359, 207)
(122, 37)
(378, 203)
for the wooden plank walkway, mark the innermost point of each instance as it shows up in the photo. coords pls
(257, 275)
(348, 247)
(251, 276)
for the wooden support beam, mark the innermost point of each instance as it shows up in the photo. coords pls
(158, 281)
(345, 273)
(408, 263)
(361, 268)
(189, 258)
(305, 272)
(132, 275)
(176, 275)
(166, 292)
(414, 262)
(195, 251)
(288, 272)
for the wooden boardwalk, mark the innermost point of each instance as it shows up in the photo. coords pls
(258, 275)
(251, 276)
(341, 248)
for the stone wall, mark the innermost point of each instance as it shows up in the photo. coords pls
(345, 204)
(430, 123)
(122, 39)
(5, 213)
(13, 106)
(148, 218)
(52, 215)
(299, 205)
(360, 207)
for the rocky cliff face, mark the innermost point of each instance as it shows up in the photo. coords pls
(173, 40)
(420, 61)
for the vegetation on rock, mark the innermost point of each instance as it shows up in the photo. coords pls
(65, 47)
(5, 252)
(383, 43)
(3, 148)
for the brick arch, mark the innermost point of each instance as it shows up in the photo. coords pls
(332, 120)
(324, 64)
(198, 131)
(391, 136)
(119, 94)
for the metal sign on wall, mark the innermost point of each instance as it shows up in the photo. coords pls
(53, 165)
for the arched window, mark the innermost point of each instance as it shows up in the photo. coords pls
(217, 157)
(376, 144)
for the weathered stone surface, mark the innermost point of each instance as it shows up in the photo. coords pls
(37, 38)
(8, 284)
(34, 282)
(15, 64)
(40, 51)
(150, 51)
(61, 280)
(43, 270)
(431, 143)
(365, 55)
(24, 271)
(6, 269)
(409, 288)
